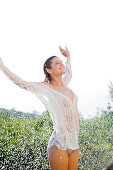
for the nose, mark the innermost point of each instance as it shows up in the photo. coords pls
(62, 64)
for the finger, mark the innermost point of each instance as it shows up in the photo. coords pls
(60, 47)
(62, 50)
(66, 48)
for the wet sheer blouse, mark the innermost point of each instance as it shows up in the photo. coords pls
(63, 110)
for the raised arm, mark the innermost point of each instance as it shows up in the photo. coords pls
(17, 80)
(68, 74)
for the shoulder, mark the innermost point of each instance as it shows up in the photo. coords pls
(47, 84)
(38, 83)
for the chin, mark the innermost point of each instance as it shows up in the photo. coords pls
(63, 72)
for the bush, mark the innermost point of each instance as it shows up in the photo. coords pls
(23, 141)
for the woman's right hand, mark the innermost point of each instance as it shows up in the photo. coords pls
(65, 52)
(1, 63)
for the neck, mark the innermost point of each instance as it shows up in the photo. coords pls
(57, 81)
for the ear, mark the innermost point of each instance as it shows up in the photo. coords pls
(49, 70)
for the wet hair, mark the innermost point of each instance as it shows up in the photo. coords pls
(47, 65)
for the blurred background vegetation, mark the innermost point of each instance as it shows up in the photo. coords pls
(24, 138)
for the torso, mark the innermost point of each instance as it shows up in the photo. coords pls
(63, 90)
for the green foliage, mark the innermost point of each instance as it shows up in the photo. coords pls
(96, 142)
(23, 142)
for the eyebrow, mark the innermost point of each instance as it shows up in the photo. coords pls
(58, 61)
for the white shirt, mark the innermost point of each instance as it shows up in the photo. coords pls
(63, 111)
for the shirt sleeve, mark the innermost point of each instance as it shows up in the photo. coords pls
(34, 87)
(68, 74)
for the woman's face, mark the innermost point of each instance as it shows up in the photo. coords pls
(57, 66)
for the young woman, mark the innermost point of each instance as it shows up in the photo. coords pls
(61, 103)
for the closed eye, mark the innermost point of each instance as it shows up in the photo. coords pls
(57, 63)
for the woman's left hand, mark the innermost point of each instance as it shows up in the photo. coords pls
(66, 52)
